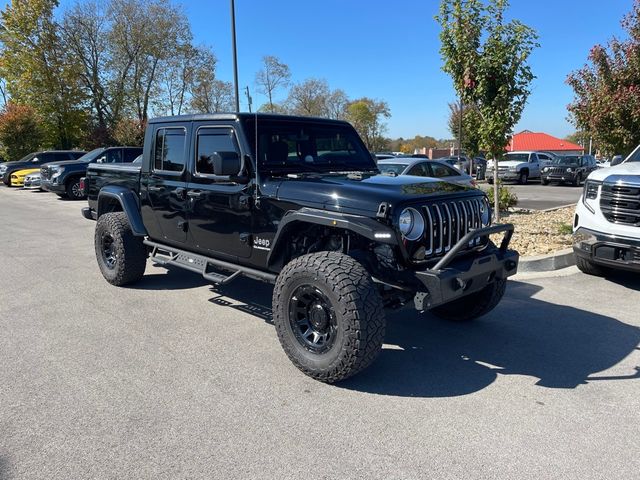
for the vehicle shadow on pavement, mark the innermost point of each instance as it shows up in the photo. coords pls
(560, 346)
(168, 278)
(630, 280)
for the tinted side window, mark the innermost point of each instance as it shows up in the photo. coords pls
(533, 158)
(439, 171)
(113, 156)
(210, 141)
(420, 170)
(130, 154)
(169, 149)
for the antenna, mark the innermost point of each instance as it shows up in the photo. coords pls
(249, 99)
(257, 185)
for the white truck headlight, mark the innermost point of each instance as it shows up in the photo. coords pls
(590, 194)
(411, 224)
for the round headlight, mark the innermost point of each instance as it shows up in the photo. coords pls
(545, 169)
(411, 224)
(485, 214)
(569, 170)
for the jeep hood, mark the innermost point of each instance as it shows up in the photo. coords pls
(363, 193)
(630, 170)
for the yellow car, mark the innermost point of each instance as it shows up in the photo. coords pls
(17, 177)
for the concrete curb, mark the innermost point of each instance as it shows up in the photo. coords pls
(547, 263)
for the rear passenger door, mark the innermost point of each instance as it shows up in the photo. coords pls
(165, 184)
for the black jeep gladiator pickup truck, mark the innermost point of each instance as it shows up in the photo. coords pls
(299, 202)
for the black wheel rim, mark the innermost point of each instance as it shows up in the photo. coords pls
(312, 319)
(109, 251)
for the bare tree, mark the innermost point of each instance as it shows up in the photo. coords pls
(274, 75)
(309, 98)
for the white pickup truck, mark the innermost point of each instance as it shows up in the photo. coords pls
(606, 227)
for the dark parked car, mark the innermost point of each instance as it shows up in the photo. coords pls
(571, 169)
(299, 202)
(35, 160)
(63, 178)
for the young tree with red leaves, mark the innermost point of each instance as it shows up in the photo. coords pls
(607, 90)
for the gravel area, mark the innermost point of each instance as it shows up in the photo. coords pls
(539, 233)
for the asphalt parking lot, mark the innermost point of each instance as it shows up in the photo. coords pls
(173, 378)
(535, 196)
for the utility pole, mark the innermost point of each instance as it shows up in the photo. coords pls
(235, 55)
(249, 99)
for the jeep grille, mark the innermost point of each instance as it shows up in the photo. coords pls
(447, 222)
(620, 203)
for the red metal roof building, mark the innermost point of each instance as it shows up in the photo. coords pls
(527, 140)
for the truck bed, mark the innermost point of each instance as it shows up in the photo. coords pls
(100, 175)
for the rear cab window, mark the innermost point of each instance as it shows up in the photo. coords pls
(169, 150)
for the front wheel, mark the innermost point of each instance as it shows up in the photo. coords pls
(577, 181)
(544, 182)
(524, 178)
(474, 305)
(122, 257)
(328, 315)
(590, 268)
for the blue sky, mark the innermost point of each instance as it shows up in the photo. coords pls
(390, 50)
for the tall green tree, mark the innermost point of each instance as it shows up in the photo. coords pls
(366, 115)
(487, 58)
(607, 90)
(39, 71)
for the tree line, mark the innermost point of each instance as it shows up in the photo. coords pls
(93, 74)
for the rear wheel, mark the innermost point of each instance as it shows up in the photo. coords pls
(122, 257)
(328, 315)
(74, 192)
(474, 305)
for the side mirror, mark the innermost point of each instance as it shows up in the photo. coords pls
(617, 160)
(35, 160)
(101, 160)
(225, 163)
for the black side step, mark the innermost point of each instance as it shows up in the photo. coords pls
(166, 255)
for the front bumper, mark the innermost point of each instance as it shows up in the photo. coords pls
(504, 175)
(607, 250)
(453, 278)
(50, 186)
(559, 177)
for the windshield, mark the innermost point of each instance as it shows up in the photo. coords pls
(92, 155)
(515, 157)
(297, 146)
(634, 156)
(392, 168)
(566, 160)
(27, 158)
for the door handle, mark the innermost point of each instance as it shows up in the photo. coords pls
(194, 194)
(181, 192)
(155, 189)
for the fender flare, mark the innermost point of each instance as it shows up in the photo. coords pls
(364, 226)
(128, 201)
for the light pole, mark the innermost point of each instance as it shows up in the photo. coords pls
(235, 55)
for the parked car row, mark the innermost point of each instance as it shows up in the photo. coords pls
(60, 171)
(544, 166)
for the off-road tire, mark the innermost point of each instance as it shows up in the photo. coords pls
(129, 251)
(474, 305)
(523, 178)
(544, 182)
(490, 180)
(590, 268)
(358, 310)
(71, 191)
(577, 181)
